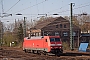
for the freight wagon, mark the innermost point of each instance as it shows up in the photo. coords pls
(43, 44)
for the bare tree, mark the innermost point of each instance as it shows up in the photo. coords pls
(74, 20)
(82, 21)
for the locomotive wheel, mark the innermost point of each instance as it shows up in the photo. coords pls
(35, 51)
(40, 53)
(58, 55)
(26, 51)
(45, 53)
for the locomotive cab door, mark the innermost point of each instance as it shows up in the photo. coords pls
(46, 41)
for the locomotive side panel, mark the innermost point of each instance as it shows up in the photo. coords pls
(50, 44)
(36, 44)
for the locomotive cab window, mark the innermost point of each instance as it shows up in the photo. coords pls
(57, 39)
(54, 39)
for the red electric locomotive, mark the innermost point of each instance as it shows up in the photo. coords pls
(43, 44)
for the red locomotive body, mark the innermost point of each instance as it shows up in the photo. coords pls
(48, 44)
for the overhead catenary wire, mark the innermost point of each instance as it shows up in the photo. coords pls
(49, 11)
(43, 2)
(13, 6)
(58, 8)
(32, 6)
(54, 10)
(75, 8)
(2, 6)
(65, 10)
(37, 7)
(80, 6)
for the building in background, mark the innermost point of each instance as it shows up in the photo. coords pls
(85, 35)
(56, 27)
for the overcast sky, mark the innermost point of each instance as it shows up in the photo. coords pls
(31, 8)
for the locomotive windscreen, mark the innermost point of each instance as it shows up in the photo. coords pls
(54, 39)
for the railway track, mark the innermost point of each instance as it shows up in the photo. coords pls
(18, 54)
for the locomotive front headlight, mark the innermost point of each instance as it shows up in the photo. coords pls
(60, 47)
(51, 47)
(59, 44)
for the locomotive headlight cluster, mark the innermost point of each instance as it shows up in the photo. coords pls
(59, 44)
(60, 47)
